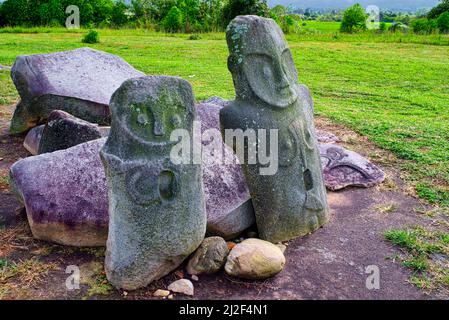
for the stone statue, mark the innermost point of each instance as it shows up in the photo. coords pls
(156, 208)
(292, 202)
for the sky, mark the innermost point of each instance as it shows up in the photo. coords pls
(382, 4)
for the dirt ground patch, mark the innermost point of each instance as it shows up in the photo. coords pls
(329, 264)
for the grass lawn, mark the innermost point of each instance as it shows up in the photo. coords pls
(393, 89)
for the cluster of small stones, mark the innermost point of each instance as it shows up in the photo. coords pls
(156, 214)
(251, 259)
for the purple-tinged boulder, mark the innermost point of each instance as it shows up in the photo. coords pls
(65, 195)
(343, 168)
(33, 138)
(64, 131)
(228, 202)
(80, 82)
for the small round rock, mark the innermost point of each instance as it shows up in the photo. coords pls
(209, 257)
(161, 293)
(255, 259)
(183, 286)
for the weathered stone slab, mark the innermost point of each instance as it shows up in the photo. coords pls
(33, 139)
(80, 82)
(292, 201)
(343, 168)
(64, 194)
(157, 212)
(228, 202)
(63, 131)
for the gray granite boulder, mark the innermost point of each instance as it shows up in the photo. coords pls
(64, 194)
(63, 131)
(80, 82)
(289, 199)
(33, 139)
(228, 202)
(209, 257)
(157, 212)
(343, 168)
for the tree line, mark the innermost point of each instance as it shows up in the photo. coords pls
(193, 16)
(164, 15)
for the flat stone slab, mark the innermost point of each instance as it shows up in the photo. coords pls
(65, 195)
(343, 168)
(63, 131)
(79, 81)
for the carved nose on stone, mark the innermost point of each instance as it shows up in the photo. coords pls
(158, 129)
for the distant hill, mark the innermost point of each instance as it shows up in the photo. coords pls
(403, 5)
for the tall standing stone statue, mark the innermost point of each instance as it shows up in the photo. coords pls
(156, 208)
(292, 202)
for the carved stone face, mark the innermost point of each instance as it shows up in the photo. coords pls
(156, 121)
(272, 75)
(262, 54)
(149, 112)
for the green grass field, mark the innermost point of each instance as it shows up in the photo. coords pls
(392, 88)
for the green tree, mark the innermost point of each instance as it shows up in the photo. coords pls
(190, 10)
(354, 19)
(118, 15)
(424, 25)
(443, 22)
(439, 9)
(235, 8)
(14, 13)
(173, 21)
(50, 13)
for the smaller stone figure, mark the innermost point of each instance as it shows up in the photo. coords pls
(292, 201)
(157, 214)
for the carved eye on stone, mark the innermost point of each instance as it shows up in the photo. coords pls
(176, 120)
(267, 72)
(289, 66)
(142, 119)
(260, 67)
